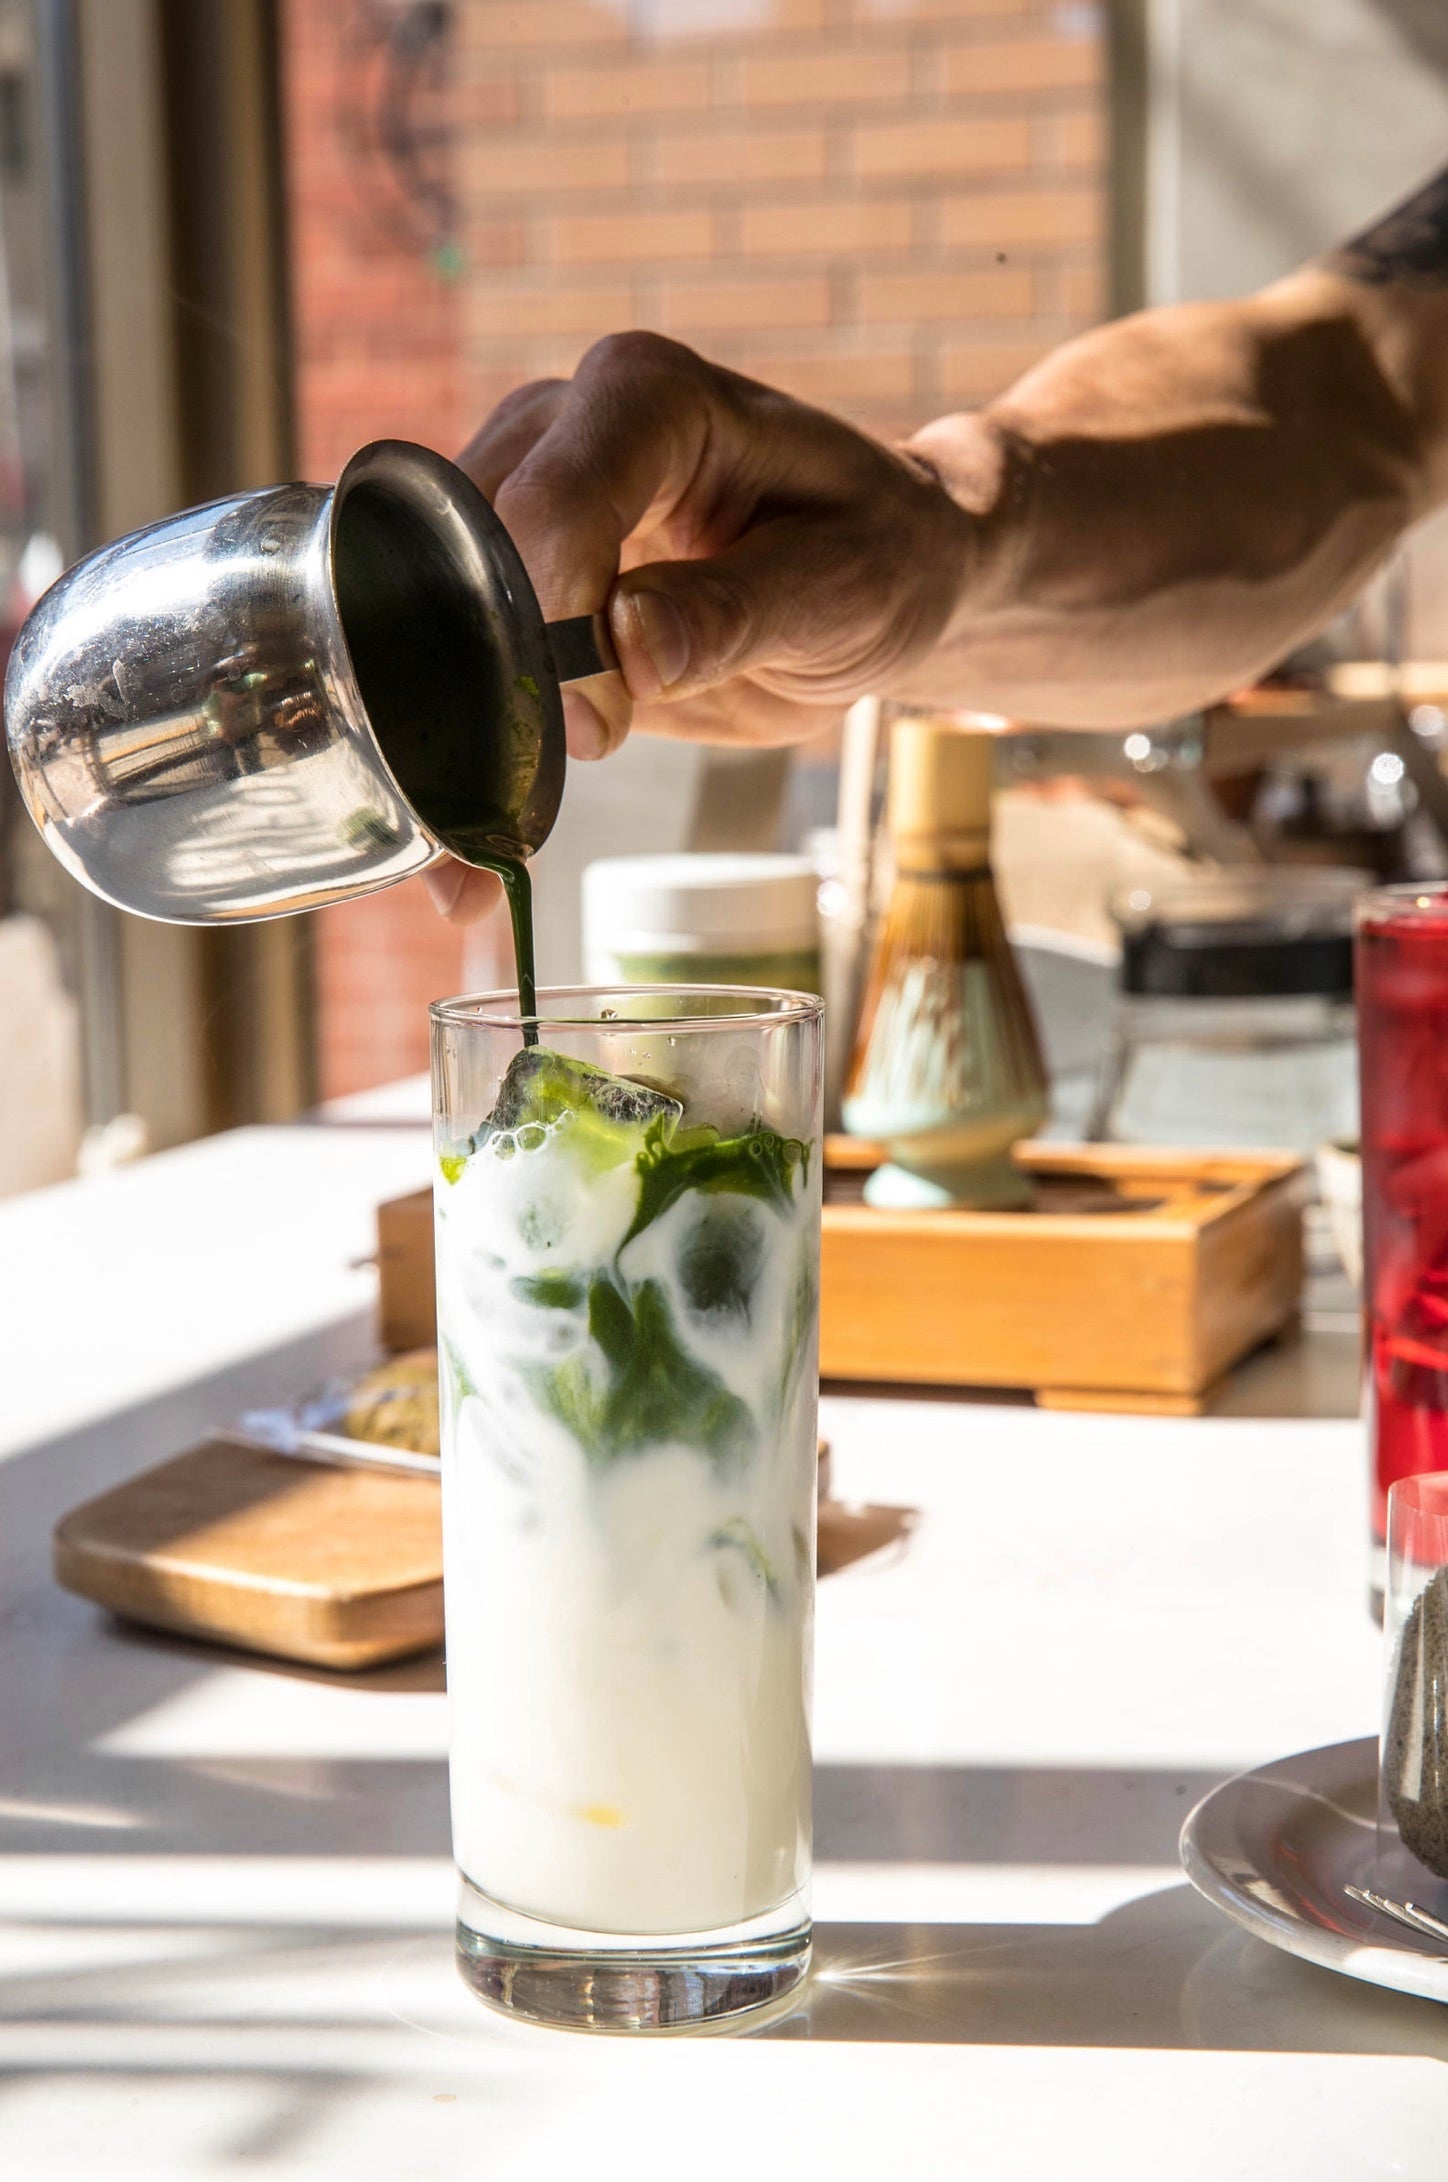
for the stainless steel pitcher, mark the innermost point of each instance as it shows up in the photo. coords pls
(295, 696)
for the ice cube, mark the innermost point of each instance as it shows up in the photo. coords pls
(607, 1116)
(720, 1259)
(720, 1085)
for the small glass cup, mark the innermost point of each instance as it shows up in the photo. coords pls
(628, 1280)
(1402, 1007)
(1235, 1019)
(1413, 1768)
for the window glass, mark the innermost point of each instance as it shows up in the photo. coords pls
(41, 1099)
(889, 208)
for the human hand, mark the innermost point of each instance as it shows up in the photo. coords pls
(762, 563)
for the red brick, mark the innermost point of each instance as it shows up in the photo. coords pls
(897, 11)
(740, 157)
(927, 150)
(560, 359)
(1027, 64)
(823, 78)
(629, 238)
(976, 371)
(495, 242)
(499, 314)
(488, 167)
(486, 100)
(351, 347)
(797, 14)
(714, 305)
(1083, 293)
(1073, 140)
(836, 378)
(911, 297)
(497, 26)
(380, 1032)
(484, 388)
(817, 230)
(1002, 219)
(640, 87)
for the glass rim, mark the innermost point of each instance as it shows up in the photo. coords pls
(1422, 1487)
(500, 1010)
(1403, 894)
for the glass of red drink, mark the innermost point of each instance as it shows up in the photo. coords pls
(1402, 1004)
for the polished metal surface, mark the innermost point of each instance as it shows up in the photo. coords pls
(294, 696)
(333, 1450)
(1408, 1913)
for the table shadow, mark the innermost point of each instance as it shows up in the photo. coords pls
(1165, 1971)
(82, 1800)
(1003, 1814)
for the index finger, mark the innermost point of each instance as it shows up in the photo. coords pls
(625, 444)
(510, 431)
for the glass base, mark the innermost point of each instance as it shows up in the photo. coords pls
(543, 1973)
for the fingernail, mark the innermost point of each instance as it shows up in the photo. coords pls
(584, 726)
(444, 884)
(665, 635)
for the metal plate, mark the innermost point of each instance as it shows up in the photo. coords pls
(1275, 1849)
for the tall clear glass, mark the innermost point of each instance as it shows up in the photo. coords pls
(628, 1282)
(1402, 1004)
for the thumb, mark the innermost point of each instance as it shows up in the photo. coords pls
(680, 626)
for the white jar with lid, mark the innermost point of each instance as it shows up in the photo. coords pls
(702, 920)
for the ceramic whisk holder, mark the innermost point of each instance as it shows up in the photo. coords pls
(295, 696)
(947, 1070)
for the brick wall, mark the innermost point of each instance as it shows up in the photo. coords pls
(378, 353)
(887, 206)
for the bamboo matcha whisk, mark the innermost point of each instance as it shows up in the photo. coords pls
(947, 1066)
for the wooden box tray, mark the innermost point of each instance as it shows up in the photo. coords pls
(1138, 1278)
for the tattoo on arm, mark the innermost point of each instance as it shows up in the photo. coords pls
(1407, 246)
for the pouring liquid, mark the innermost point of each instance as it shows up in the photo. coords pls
(519, 889)
(488, 854)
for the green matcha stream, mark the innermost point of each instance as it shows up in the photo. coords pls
(519, 889)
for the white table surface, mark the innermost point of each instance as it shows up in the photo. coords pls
(227, 1896)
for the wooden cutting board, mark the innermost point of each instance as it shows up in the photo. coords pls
(324, 1563)
(336, 1567)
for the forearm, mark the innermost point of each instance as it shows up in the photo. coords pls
(1149, 519)
(1164, 507)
